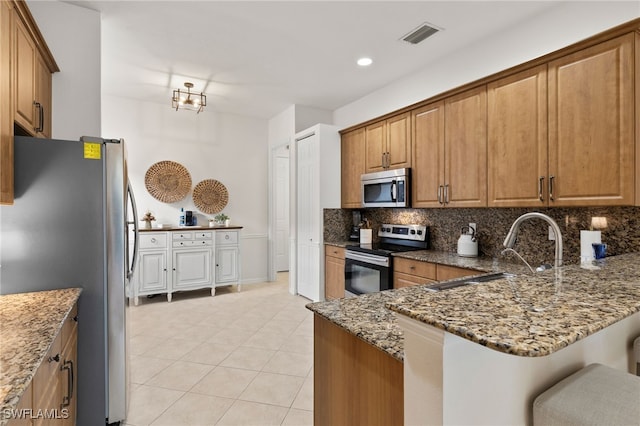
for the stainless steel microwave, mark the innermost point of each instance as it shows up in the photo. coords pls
(389, 188)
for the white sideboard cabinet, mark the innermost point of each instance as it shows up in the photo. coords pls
(186, 259)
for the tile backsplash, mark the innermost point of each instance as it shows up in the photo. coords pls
(622, 234)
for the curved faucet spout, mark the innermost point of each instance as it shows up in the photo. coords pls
(510, 239)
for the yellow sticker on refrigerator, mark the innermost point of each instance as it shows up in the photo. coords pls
(92, 150)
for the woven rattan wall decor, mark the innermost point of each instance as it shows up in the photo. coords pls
(168, 181)
(210, 196)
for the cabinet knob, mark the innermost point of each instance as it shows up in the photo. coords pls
(153, 240)
(55, 358)
(75, 318)
(226, 237)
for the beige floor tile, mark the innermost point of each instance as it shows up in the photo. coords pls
(304, 399)
(297, 417)
(208, 353)
(305, 328)
(143, 368)
(180, 375)
(276, 389)
(149, 402)
(253, 414)
(231, 337)
(142, 343)
(290, 363)
(265, 340)
(172, 348)
(225, 382)
(280, 326)
(194, 410)
(248, 358)
(298, 343)
(247, 323)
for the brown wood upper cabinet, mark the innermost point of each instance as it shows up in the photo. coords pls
(388, 143)
(450, 152)
(26, 65)
(31, 79)
(517, 139)
(591, 126)
(352, 160)
(587, 157)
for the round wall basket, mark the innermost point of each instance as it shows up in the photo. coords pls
(168, 181)
(210, 196)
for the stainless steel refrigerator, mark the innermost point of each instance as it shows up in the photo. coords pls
(69, 227)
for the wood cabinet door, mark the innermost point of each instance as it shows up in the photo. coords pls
(24, 76)
(399, 141)
(333, 277)
(6, 105)
(427, 174)
(352, 161)
(591, 125)
(517, 139)
(42, 120)
(466, 149)
(375, 146)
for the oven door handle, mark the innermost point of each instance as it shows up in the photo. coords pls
(370, 259)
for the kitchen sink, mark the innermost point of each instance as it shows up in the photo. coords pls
(447, 285)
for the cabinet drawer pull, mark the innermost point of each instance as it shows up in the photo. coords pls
(551, 178)
(153, 240)
(439, 194)
(75, 318)
(226, 237)
(66, 400)
(55, 358)
(446, 194)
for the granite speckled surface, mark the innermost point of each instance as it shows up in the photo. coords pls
(29, 323)
(622, 234)
(526, 315)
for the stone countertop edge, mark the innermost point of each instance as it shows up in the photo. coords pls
(526, 315)
(191, 228)
(29, 323)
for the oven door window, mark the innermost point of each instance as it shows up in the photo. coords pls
(363, 278)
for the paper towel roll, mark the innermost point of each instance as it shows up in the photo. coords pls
(587, 238)
(366, 236)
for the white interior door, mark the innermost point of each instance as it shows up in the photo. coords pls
(282, 210)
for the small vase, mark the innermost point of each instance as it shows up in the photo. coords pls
(147, 224)
(227, 222)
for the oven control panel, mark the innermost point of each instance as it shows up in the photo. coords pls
(405, 232)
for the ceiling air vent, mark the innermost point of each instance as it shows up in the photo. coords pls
(422, 32)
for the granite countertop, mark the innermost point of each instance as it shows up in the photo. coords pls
(191, 228)
(29, 323)
(526, 315)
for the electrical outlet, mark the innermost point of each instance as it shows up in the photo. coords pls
(472, 226)
(552, 235)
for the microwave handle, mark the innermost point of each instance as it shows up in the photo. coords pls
(394, 191)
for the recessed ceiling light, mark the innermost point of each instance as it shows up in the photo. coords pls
(365, 62)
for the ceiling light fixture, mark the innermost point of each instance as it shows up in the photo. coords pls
(188, 100)
(365, 62)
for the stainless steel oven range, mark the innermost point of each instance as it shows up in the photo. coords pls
(369, 267)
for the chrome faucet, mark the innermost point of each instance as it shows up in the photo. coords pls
(510, 240)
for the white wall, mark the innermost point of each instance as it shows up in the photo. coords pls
(557, 27)
(229, 148)
(73, 36)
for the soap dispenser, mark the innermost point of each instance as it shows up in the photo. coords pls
(468, 243)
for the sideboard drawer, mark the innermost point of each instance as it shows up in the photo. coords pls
(154, 240)
(226, 237)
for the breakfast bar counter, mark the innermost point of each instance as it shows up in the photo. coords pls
(516, 336)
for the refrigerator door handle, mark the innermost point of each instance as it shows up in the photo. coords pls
(134, 222)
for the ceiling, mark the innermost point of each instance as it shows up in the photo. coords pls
(256, 58)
